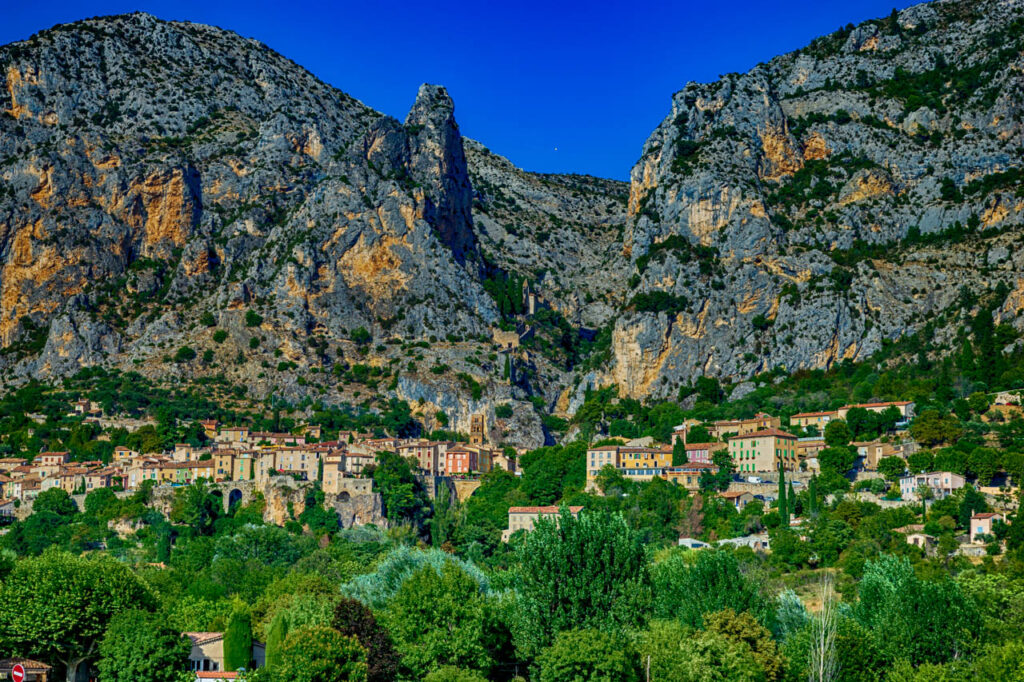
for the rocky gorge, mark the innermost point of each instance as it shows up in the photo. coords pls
(183, 202)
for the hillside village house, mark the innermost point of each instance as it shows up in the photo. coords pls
(764, 451)
(905, 408)
(208, 651)
(700, 453)
(637, 464)
(600, 457)
(808, 448)
(816, 419)
(644, 461)
(941, 483)
(461, 460)
(35, 671)
(688, 475)
(743, 427)
(875, 451)
(525, 518)
(737, 498)
(981, 524)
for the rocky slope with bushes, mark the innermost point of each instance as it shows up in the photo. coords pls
(184, 202)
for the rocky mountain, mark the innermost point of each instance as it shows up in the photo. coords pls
(186, 203)
(833, 198)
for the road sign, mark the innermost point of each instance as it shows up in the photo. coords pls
(18, 673)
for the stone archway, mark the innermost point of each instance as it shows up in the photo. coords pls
(233, 500)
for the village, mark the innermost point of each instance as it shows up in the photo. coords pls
(759, 451)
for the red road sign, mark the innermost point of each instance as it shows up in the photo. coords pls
(18, 673)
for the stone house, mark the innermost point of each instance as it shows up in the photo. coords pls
(208, 652)
(981, 524)
(764, 451)
(815, 419)
(525, 518)
(941, 483)
(737, 498)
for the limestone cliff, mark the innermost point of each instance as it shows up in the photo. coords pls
(792, 216)
(167, 187)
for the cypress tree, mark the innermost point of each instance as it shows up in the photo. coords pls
(238, 641)
(812, 496)
(679, 457)
(783, 508)
(791, 500)
(275, 639)
(508, 368)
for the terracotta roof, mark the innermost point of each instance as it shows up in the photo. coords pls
(813, 414)
(216, 675)
(703, 446)
(27, 663)
(732, 494)
(200, 638)
(766, 432)
(894, 403)
(692, 465)
(550, 509)
(984, 515)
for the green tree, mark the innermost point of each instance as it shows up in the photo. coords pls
(404, 497)
(837, 434)
(912, 619)
(142, 647)
(56, 501)
(837, 459)
(712, 582)
(679, 457)
(207, 319)
(921, 461)
(185, 354)
(439, 619)
(672, 651)
(932, 428)
(588, 656)
(238, 640)
(195, 507)
(353, 619)
(858, 658)
(743, 628)
(361, 336)
(320, 654)
(892, 468)
(609, 588)
(783, 504)
(220, 336)
(450, 673)
(983, 462)
(276, 635)
(253, 318)
(698, 434)
(57, 606)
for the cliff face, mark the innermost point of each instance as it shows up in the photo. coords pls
(755, 199)
(165, 184)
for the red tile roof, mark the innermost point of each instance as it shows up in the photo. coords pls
(27, 663)
(764, 433)
(813, 414)
(984, 515)
(550, 509)
(894, 403)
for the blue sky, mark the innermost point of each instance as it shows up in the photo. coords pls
(555, 86)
